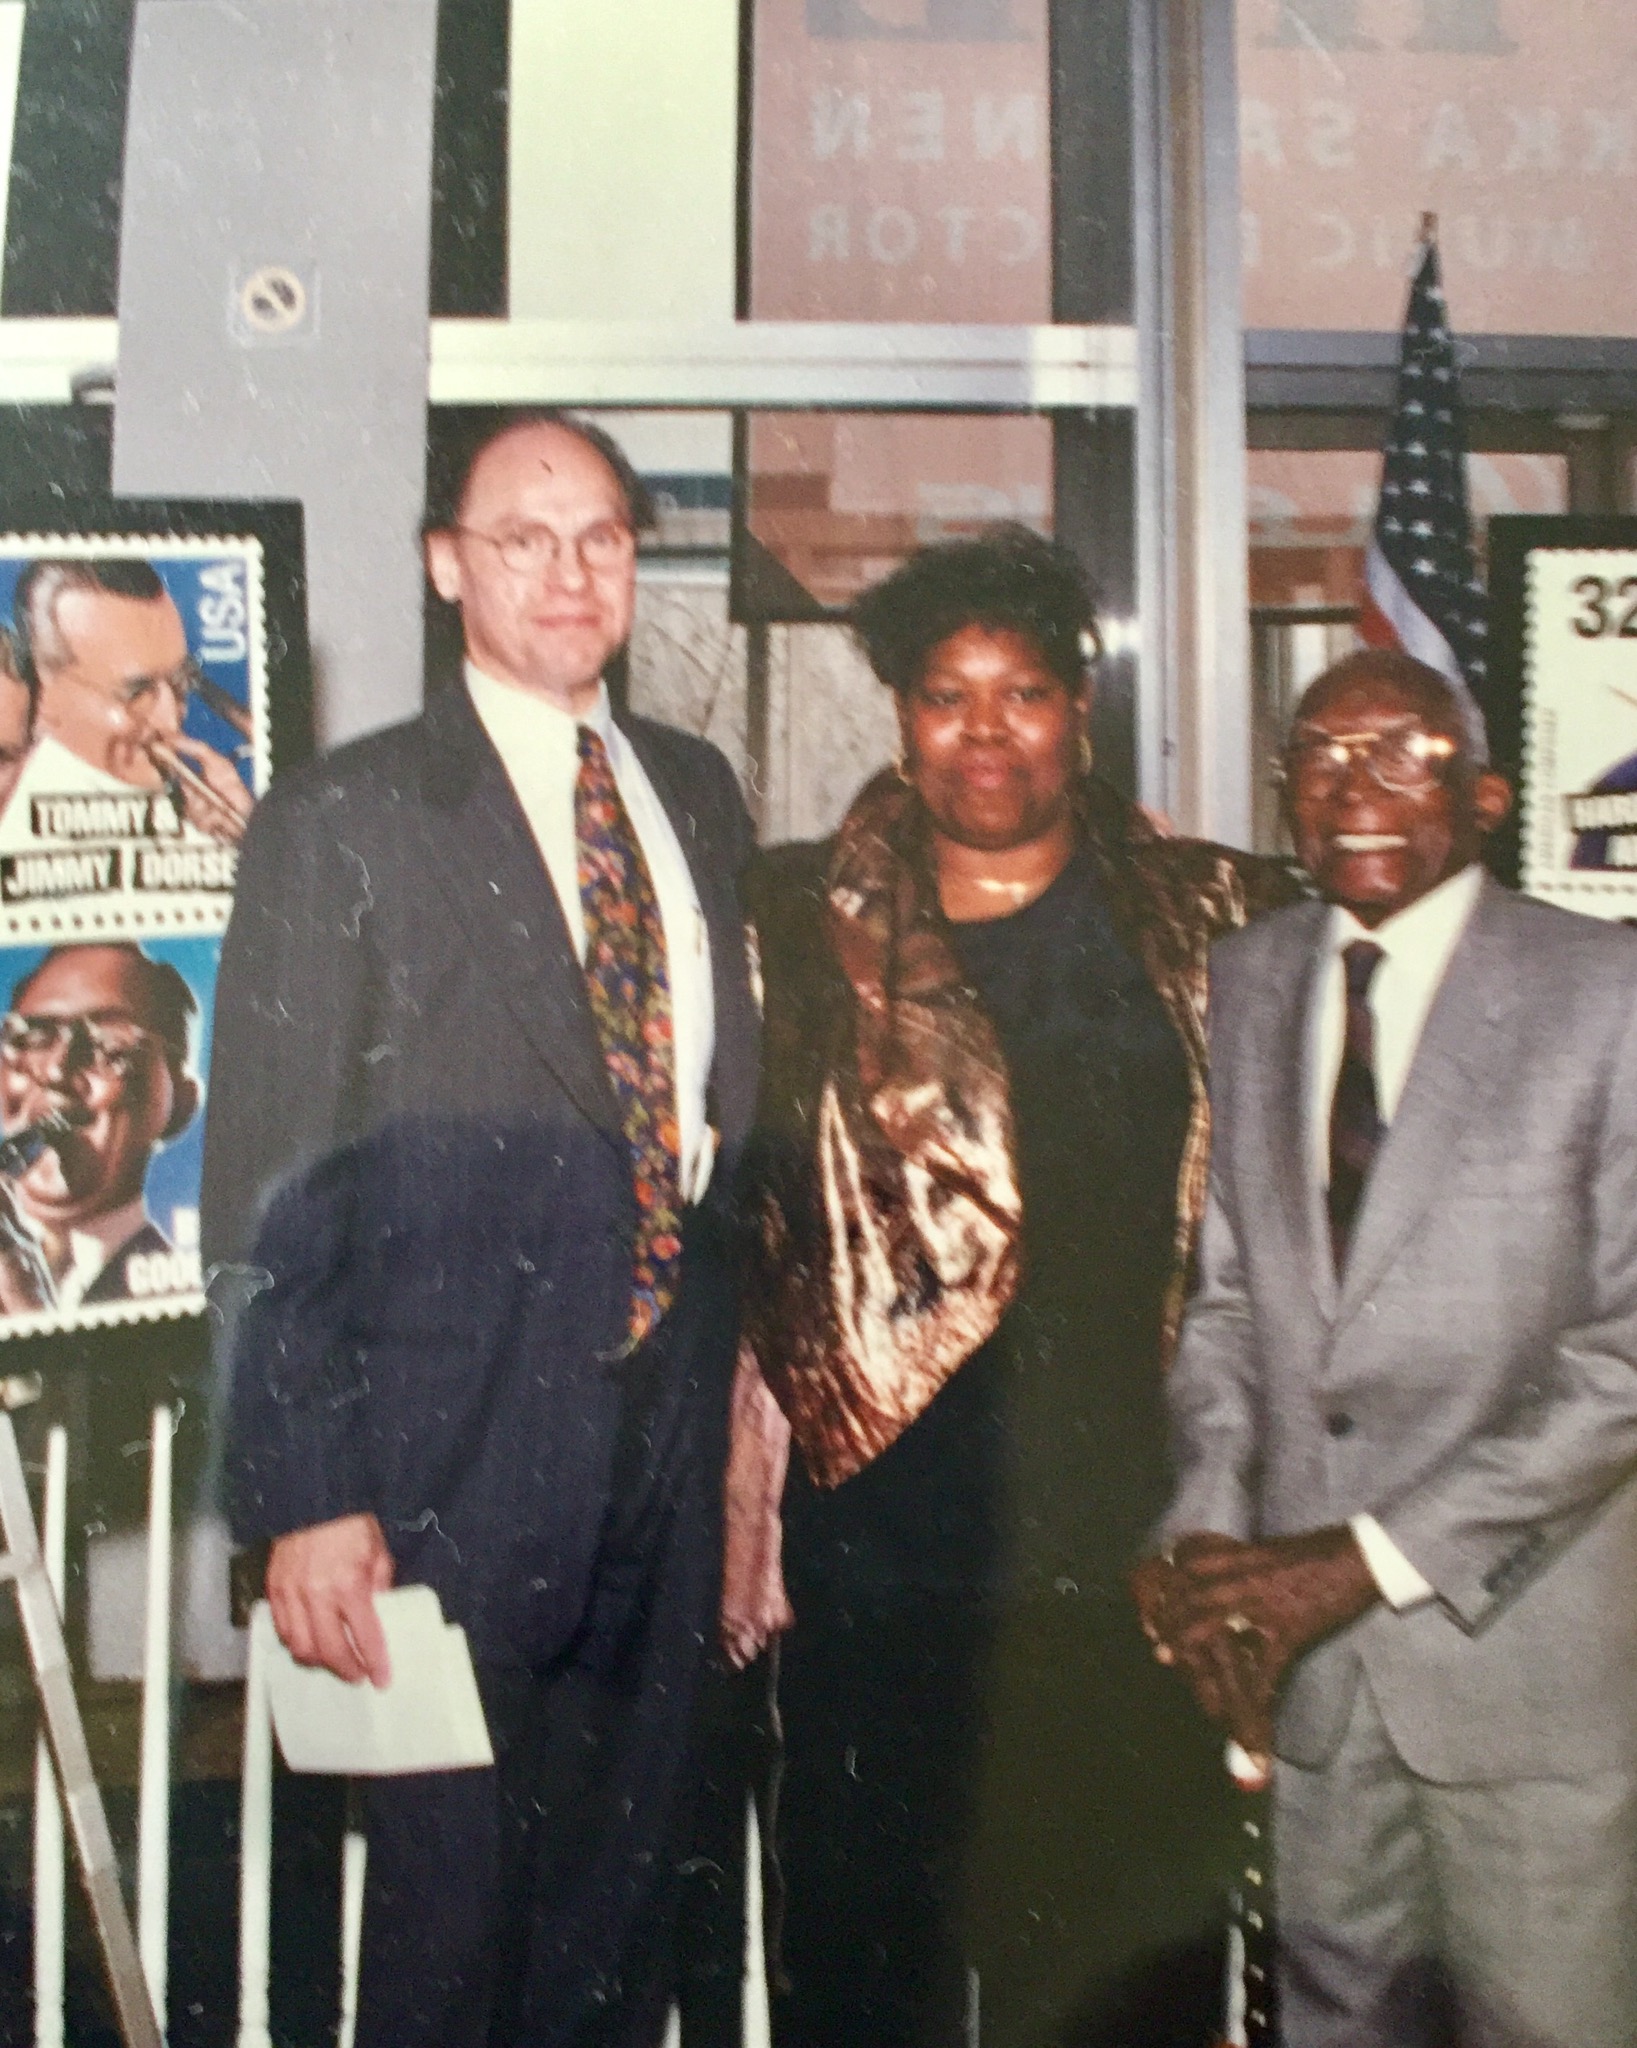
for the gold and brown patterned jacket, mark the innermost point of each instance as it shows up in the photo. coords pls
(881, 1181)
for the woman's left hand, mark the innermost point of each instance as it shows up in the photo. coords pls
(754, 1605)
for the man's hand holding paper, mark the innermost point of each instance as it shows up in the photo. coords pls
(427, 1716)
(321, 1584)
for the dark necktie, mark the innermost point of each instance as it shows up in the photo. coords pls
(630, 988)
(1356, 1128)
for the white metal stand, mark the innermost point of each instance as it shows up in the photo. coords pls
(24, 1566)
(153, 1832)
(256, 1843)
(50, 1863)
(256, 1864)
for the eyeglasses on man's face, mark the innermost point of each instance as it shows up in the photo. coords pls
(529, 547)
(1401, 757)
(136, 693)
(110, 1047)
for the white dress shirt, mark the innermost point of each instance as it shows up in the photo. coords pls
(538, 745)
(1416, 947)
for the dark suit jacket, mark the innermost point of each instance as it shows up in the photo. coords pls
(414, 1148)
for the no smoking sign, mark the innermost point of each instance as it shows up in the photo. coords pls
(275, 302)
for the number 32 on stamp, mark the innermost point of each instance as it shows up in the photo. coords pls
(1580, 729)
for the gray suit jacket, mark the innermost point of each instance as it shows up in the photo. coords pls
(1473, 1381)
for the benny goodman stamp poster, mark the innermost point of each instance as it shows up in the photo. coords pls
(1580, 729)
(135, 741)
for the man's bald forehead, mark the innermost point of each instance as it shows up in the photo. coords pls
(125, 969)
(91, 600)
(1431, 696)
(577, 436)
(556, 442)
(48, 580)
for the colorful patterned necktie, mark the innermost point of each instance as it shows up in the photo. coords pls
(630, 987)
(1356, 1128)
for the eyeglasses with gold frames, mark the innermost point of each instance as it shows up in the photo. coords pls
(1402, 758)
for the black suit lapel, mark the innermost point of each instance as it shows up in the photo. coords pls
(480, 851)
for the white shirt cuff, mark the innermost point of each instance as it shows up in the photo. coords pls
(704, 1165)
(1249, 1773)
(1398, 1581)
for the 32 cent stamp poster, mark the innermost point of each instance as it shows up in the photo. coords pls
(1580, 729)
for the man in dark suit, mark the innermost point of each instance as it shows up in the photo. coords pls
(1405, 1405)
(485, 1049)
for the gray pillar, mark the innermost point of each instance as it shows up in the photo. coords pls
(273, 301)
(1194, 730)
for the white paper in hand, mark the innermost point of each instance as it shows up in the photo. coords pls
(428, 1719)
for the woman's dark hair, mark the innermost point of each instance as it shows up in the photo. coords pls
(1008, 579)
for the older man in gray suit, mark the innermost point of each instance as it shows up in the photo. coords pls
(1402, 1552)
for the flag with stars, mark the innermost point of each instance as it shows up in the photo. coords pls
(1423, 592)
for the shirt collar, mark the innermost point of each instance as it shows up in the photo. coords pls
(517, 719)
(1428, 926)
(94, 1244)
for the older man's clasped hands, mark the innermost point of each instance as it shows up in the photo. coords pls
(1232, 1616)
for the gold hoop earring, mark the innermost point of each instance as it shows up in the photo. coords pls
(900, 768)
(1087, 756)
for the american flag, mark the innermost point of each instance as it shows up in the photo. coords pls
(1422, 589)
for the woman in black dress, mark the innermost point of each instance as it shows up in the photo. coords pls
(979, 1167)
